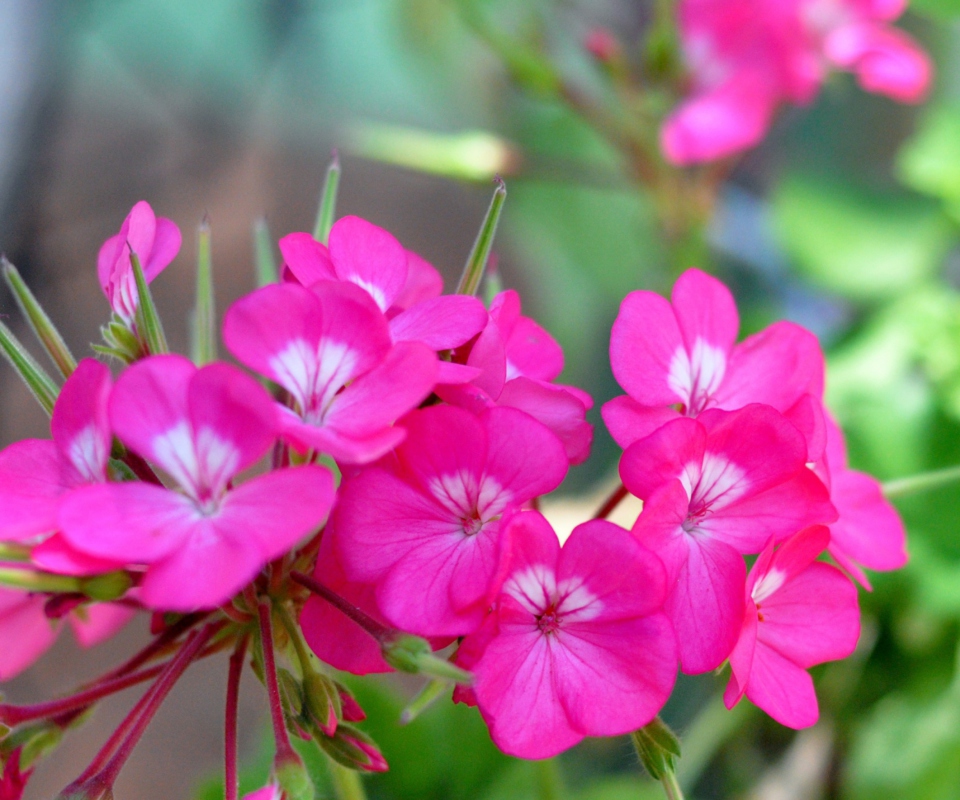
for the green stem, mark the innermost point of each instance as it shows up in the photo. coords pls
(296, 637)
(328, 201)
(14, 552)
(204, 339)
(38, 581)
(549, 780)
(346, 783)
(265, 260)
(477, 261)
(671, 787)
(924, 482)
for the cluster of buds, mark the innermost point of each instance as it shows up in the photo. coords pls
(370, 498)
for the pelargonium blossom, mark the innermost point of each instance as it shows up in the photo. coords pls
(518, 362)
(746, 57)
(424, 524)
(207, 539)
(155, 241)
(714, 489)
(800, 612)
(678, 358)
(329, 346)
(577, 644)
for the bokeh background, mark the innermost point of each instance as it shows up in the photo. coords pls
(847, 220)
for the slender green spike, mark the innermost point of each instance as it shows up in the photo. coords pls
(477, 260)
(425, 698)
(266, 262)
(38, 581)
(328, 201)
(204, 339)
(149, 327)
(42, 325)
(39, 383)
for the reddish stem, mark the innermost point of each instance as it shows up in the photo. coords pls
(616, 497)
(285, 750)
(231, 778)
(156, 647)
(377, 630)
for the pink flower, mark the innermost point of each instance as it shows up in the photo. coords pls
(715, 488)
(330, 348)
(424, 524)
(800, 612)
(156, 242)
(868, 532)
(403, 285)
(271, 792)
(12, 780)
(577, 644)
(517, 363)
(746, 57)
(205, 541)
(679, 358)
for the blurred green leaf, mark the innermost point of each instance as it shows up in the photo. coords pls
(863, 246)
(937, 8)
(930, 161)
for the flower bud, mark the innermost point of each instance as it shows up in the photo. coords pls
(657, 748)
(352, 748)
(350, 708)
(293, 779)
(290, 692)
(408, 653)
(321, 702)
(109, 586)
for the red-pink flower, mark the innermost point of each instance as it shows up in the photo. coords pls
(715, 488)
(800, 612)
(155, 241)
(13, 781)
(330, 348)
(205, 540)
(517, 362)
(679, 358)
(577, 644)
(269, 792)
(424, 524)
(746, 57)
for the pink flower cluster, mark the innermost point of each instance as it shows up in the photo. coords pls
(206, 492)
(746, 57)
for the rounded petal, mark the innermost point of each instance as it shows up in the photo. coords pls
(307, 259)
(80, 426)
(782, 689)
(166, 245)
(32, 480)
(441, 323)
(886, 60)
(423, 282)
(25, 631)
(561, 411)
(869, 530)
(97, 622)
(663, 456)
(628, 421)
(56, 554)
(368, 256)
(705, 310)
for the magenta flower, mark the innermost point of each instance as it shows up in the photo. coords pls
(517, 362)
(205, 540)
(577, 644)
(715, 488)
(330, 348)
(12, 780)
(424, 525)
(679, 358)
(800, 612)
(156, 242)
(746, 57)
(270, 792)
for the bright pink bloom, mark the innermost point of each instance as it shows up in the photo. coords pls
(424, 525)
(156, 242)
(748, 56)
(679, 358)
(517, 363)
(800, 612)
(577, 644)
(35, 473)
(329, 347)
(715, 488)
(204, 542)
(869, 532)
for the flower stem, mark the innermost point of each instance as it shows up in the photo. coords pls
(616, 497)
(157, 647)
(346, 783)
(924, 482)
(285, 750)
(671, 786)
(231, 777)
(377, 630)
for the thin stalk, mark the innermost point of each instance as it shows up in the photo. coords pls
(157, 646)
(285, 750)
(477, 260)
(38, 581)
(426, 697)
(296, 637)
(924, 482)
(39, 383)
(346, 783)
(376, 629)
(230, 741)
(328, 201)
(147, 320)
(549, 780)
(204, 344)
(615, 498)
(264, 259)
(671, 786)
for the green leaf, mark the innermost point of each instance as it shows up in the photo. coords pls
(939, 9)
(204, 338)
(930, 161)
(863, 246)
(39, 383)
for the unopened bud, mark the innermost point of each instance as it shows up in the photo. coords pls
(603, 45)
(322, 702)
(409, 653)
(350, 708)
(290, 693)
(657, 747)
(109, 586)
(293, 779)
(352, 748)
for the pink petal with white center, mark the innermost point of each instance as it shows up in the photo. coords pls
(348, 450)
(663, 457)
(775, 567)
(776, 366)
(441, 323)
(705, 311)
(132, 523)
(782, 689)
(368, 256)
(25, 631)
(423, 282)
(404, 378)
(643, 343)
(524, 457)
(56, 554)
(886, 60)
(97, 622)
(307, 259)
(869, 530)
(713, 124)
(811, 618)
(561, 411)
(31, 484)
(628, 421)
(80, 425)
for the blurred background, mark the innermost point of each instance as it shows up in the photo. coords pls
(846, 220)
